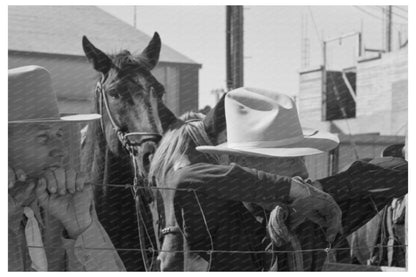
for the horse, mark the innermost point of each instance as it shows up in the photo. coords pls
(205, 232)
(117, 150)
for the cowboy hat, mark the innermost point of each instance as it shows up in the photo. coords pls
(32, 100)
(266, 124)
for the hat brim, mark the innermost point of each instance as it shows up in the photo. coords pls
(318, 143)
(78, 118)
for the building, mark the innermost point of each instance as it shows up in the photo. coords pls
(379, 102)
(367, 105)
(50, 36)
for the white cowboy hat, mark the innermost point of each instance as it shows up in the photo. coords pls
(32, 100)
(266, 123)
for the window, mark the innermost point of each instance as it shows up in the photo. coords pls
(340, 95)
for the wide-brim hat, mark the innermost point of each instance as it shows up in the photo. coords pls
(32, 99)
(266, 124)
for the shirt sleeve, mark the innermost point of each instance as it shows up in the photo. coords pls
(234, 182)
(92, 251)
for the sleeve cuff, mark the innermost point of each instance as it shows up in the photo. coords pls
(93, 249)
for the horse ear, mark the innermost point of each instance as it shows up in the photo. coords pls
(101, 62)
(214, 121)
(151, 54)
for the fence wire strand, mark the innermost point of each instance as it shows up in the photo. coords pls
(211, 251)
(224, 251)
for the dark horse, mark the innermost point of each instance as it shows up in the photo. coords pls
(133, 119)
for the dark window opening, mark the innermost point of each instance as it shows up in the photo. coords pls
(340, 104)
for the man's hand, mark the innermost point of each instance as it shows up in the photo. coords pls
(63, 193)
(20, 193)
(316, 206)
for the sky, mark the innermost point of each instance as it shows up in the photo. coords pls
(272, 39)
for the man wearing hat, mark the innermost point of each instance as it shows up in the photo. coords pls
(52, 221)
(264, 136)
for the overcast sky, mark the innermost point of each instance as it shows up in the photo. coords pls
(272, 38)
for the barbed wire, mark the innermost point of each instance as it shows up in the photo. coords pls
(223, 251)
(127, 185)
(212, 251)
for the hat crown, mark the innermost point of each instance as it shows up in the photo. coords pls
(261, 117)
(31, 96)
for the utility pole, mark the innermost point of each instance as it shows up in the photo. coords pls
(235, 46)
(389, 26)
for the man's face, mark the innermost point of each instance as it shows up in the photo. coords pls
(36, 147)
(285, 166)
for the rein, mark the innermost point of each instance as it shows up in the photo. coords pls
(133, 151)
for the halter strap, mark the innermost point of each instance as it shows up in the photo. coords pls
(123, 137)
(132, 149)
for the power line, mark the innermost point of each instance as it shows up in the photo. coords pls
(396, 14)
(397, 7)
(377, 17)
(368, 13)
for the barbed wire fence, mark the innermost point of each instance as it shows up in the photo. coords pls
(212, 251)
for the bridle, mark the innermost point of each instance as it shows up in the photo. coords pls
(122, 136)
(132, 149)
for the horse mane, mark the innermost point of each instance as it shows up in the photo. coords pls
(93, 148)
(176, 144)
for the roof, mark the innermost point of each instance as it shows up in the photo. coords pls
(59, 30)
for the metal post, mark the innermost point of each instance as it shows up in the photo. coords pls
(323, 110)
(389, 26)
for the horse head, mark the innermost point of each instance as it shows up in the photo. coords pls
(130, 100)
(176, 150)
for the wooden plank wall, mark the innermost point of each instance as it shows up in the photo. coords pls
(382, 97)
(382, 90)
(310, 96)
